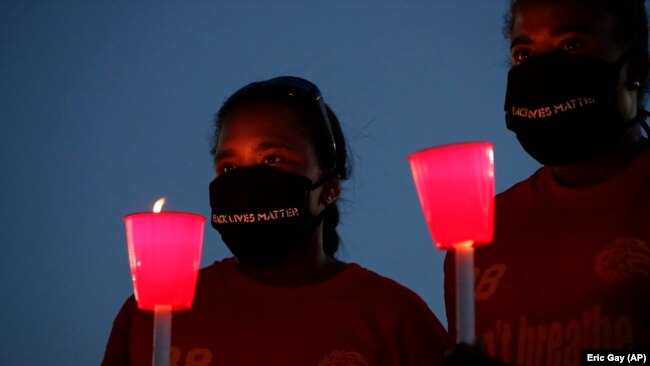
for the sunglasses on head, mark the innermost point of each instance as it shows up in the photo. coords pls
(294, 87)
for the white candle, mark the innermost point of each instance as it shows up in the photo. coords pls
(465, 330)
(162, 335)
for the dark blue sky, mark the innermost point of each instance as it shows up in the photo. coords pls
(106, 106)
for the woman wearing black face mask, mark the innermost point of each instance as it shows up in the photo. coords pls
(569, 268)
(284, 299)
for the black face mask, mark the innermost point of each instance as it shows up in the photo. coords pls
(262, 213)
(563, 107)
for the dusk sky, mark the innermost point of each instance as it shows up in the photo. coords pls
(105, 106)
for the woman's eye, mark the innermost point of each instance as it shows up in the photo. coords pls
(271, 159)
(520, 55)
(225, 168)
(571, 45)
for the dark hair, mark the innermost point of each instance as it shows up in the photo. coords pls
(629, 16)
(331, 155)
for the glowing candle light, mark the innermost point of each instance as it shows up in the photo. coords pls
(157, 207)
(455, 185)
(164, 255)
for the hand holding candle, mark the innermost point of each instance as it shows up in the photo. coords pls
(455, 184)
(164, 255)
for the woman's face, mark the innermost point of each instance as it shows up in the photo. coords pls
(267, 134)
(548, 26)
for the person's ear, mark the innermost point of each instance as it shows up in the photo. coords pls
(331, 191)
(638, 67)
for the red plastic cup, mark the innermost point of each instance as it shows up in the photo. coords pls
(164, 255)
(455, 184)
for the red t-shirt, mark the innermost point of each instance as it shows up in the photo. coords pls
(569, 269)
(356, 317)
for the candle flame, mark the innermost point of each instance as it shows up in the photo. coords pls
(157, 207)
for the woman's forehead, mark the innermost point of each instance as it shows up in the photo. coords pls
(560, 16)
(264, 118)
(557, 19)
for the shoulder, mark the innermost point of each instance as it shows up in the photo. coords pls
(211, 281)
(129, 307)
(387, 292)
(214, 269)
(394, 300)
(373, 282)
(525, 188)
